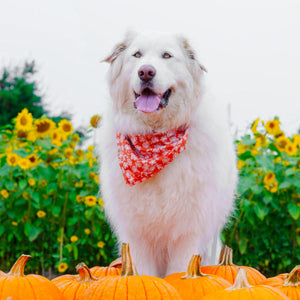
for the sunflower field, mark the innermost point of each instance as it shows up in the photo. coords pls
(265, 228)
(50, 206)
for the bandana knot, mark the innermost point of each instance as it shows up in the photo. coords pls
(143, 156)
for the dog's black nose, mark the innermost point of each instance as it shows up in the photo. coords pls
(146, 73)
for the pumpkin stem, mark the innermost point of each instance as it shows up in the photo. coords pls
(241, 281)
(194, 268)
(85, 274)
(116, 263)
(225, 258)
(128, 266)
(293, 279)
(18, 268)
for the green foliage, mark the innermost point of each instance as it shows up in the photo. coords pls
(265, 229)
(18, 89)
(50, 206)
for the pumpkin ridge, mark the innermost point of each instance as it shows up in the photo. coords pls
(77, 289)
(145, 289)
(2, 283)
(32, 287)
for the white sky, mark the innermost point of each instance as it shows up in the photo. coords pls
(250, 48)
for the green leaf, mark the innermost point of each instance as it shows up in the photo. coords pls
(260, 210)
(245, 183)
(4, 170)
(267, 199)
(75, 252)
(265, 162)
(9, 185)
(243, 246)
(31, 231)
(2, 229)
(257, 189)
(55, 210)
(284, 185)
(22, 184)
(294, 210)
(35, 201)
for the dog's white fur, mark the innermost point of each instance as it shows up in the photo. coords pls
(176, 213)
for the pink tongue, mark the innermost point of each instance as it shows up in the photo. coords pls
(147, 103)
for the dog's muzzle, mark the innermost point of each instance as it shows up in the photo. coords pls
(149, 102)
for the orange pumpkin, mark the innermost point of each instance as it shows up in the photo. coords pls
(17, 286)
(117, 263)
(227, 270)
(276, 280)
(105, 271)
(130, 285)
(194, 284)
(290, 285)
(241, 289)
(73, 286)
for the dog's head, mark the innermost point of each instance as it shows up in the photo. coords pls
(154, 82)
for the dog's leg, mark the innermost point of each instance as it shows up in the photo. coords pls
(144, 258)
(181, 251)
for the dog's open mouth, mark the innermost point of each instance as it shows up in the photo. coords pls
(149, 102)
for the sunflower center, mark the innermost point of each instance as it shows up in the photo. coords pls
(67, 128)
(43, 126)
(23, 120)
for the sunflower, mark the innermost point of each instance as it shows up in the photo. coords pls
(90, 200)
(100, 244)
(79, 184)
(24, 120)
(290, 148)
(240, 164)
(12, 159)
(79, 198)
(62, 267)
(34, 160)
(75, 138)
(281, 143)
(254, 126)
(31, 181)
(41, 214)
(296, 140)
(21, 134)
(261, 141)
(241, 148)
(44, 127)
(4, 193)
(13, 223)
(269, 178)
(273, 187)
(43, 183)
(87, 231)
(100, 201)
(79, 153)
(68, 152)
(24, 163)
(57, 137)
(272, 127)
(65, 126)
(74, 238)
(95, 121)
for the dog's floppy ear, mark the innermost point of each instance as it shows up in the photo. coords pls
(191, 53)
(119, 48)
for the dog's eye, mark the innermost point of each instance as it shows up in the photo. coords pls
(166, 55)
(137, 54)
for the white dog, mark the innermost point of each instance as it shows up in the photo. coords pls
(168, 169)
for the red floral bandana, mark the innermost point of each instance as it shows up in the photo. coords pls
(142, 156)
